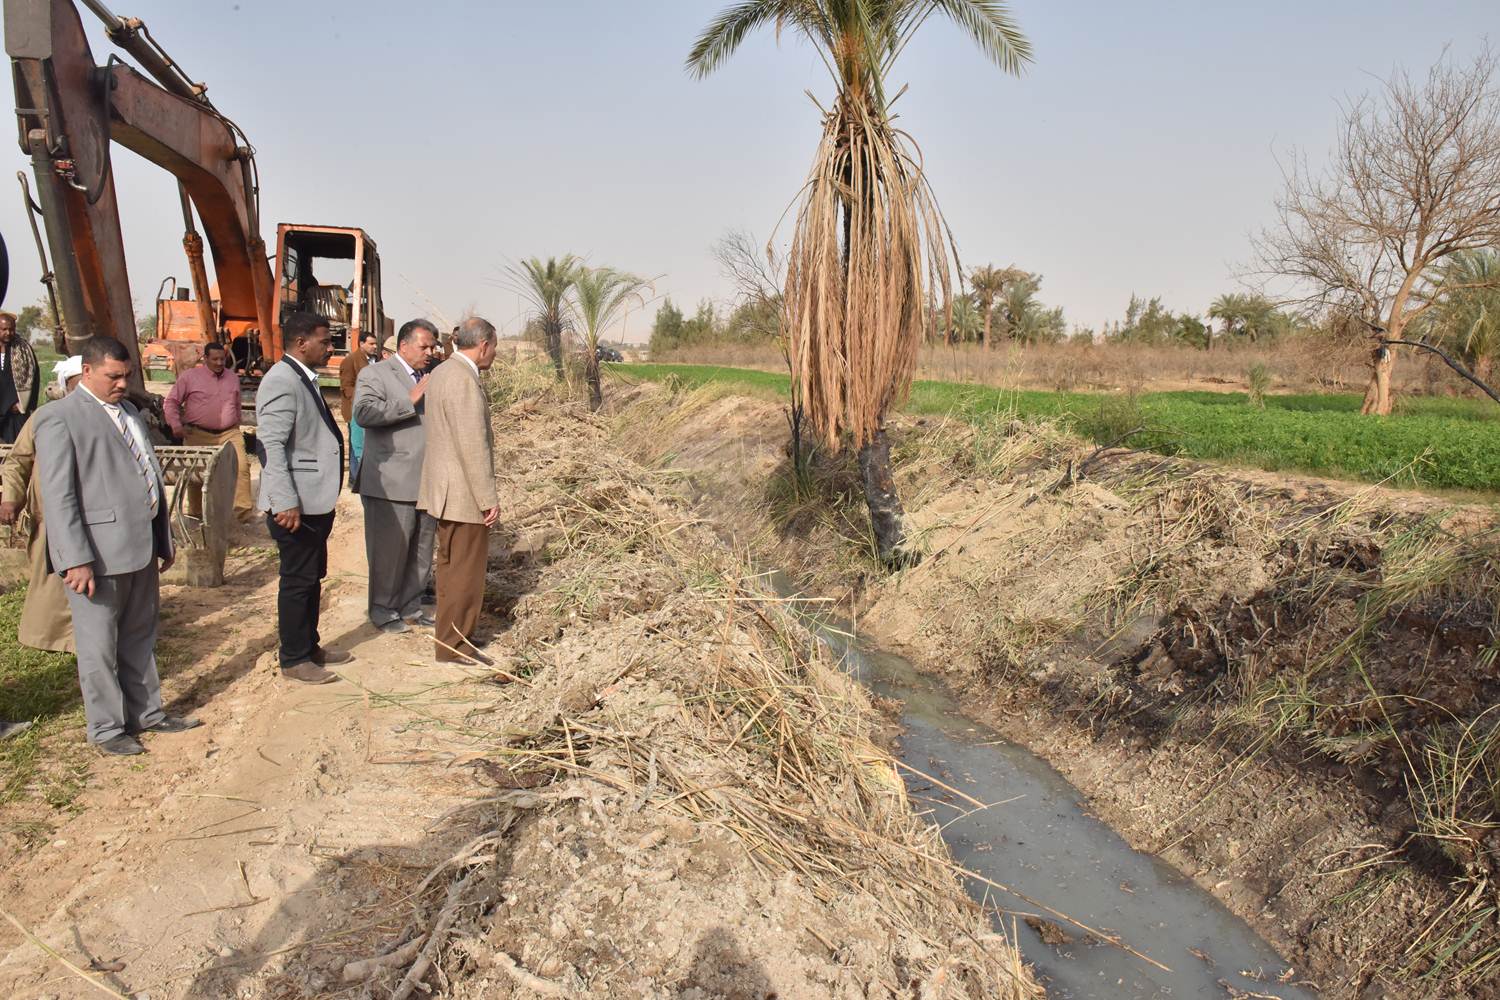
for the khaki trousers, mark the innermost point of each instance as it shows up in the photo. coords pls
(462, 553)
(244, 505)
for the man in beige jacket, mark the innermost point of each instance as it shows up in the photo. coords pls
(458, 487)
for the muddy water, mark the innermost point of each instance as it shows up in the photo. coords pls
(1037, 838)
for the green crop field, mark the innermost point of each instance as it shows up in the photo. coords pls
(1432, 443)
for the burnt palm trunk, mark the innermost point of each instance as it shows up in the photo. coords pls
(591, 375)
(886, 514)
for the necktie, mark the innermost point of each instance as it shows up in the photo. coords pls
(147, 473)
(416, 376)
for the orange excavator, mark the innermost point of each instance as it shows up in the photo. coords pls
(70, 110)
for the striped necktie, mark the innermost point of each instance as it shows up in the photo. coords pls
(147, 473)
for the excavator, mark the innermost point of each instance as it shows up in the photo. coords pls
(69, 111)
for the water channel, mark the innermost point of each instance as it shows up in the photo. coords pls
(1042, 842)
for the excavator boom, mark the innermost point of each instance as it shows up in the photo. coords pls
(69, 110)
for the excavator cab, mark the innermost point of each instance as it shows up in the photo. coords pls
(333, 272)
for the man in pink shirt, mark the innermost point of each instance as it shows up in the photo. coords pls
(203, 408)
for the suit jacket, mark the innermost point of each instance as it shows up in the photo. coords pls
(395, 440)
(458, 473)
(301, 449)
(354, 362)
(93, 497)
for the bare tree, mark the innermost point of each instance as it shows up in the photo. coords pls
(757, 273)
(1414, 179)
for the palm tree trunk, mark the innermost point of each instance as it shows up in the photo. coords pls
(591, 371)
(552, 331)
(986, 328)
(886, 514)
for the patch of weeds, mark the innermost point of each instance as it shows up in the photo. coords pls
(41, 687)
(1258, 380)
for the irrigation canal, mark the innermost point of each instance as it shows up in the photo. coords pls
(1036, 838)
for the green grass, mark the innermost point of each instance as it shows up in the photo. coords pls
(41, 687)
(1433, 443)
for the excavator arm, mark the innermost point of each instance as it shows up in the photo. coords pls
(69, 110)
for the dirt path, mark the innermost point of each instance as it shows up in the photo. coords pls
(254, 832)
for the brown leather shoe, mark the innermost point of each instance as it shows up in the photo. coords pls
(324, 657)
(309, 673)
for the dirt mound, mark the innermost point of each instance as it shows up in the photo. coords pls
(1283, 686)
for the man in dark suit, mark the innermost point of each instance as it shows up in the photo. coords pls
(105, 507)
(388, 404)
(302, 470)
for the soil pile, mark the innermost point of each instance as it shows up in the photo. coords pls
(1284, 686)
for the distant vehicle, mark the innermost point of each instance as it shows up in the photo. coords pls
(606, 353)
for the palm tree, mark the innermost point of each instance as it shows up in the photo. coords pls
(546, 284)
(868, 232)
(1248, 315)
(601, 295)
(987, 282)
(964, 325)
(1467, 314)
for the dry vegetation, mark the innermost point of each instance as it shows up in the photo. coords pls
(689, 794)
(1285, 687)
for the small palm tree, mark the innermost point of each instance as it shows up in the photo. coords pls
(965, 324)
(546, 284)
(1466, 314)
(868, 233)
(601, 296)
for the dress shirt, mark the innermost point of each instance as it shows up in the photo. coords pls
(207, 401)
(304, 371)
(142, 444)
(468, 361)
(411, 372)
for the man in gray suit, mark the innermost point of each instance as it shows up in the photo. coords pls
(301, 454)
(105, 507)
(398, 538)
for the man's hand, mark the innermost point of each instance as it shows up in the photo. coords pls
(9, 509)
(290, 519)
(80, 579)
(15, 408)
(167, 561)
(491, 516)
(419, 389)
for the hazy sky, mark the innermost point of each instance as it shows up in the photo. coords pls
(1134, 155)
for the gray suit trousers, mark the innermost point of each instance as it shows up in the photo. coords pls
(398, 546)
(115, 631)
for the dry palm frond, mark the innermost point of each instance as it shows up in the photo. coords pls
(869, 245)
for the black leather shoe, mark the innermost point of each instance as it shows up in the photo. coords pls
(123, 745)
(173, 724)
(323, 657)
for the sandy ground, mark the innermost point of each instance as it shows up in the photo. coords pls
(268, 826)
